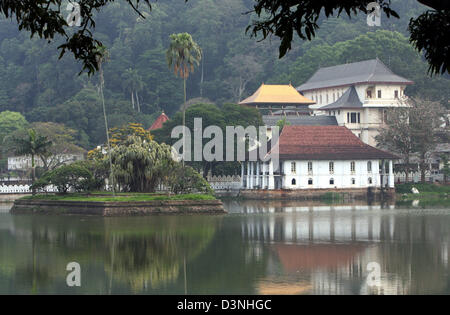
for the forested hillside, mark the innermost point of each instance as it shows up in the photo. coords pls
(34, 82)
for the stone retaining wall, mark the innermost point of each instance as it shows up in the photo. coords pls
(316, 194)
(118, 208)
(11, 197)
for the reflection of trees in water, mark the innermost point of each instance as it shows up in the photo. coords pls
(225, 254)
(148, 261)
(415, 253)
(138, 252)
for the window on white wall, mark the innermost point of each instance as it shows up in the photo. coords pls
(370, 180)
(310, 181)
(331, 167)
(352, 167)
(293, 168)
(293, 182)
(310, 168)
(353, 181)
(369, 167)
(331, 181)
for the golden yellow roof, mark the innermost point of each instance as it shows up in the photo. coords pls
(277, 94)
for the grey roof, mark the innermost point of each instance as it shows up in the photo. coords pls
(369, 71)
(301, 111)
(442, 147)
(349, 99)
(302, 120)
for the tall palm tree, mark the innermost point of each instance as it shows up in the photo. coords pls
(32, 145)
(102, 57)
(183, 55)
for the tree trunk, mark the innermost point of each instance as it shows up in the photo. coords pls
(138, 103)
(201, 78)
(33, 174)
(407, 170)
(106, 127)
(184, 120)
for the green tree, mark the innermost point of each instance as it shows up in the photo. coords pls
(139, 166)
(186, 180)
(282, 122)
(133, 83)
(63, 143)
(446, 167)
(429, 32)
(32, 145)
(413, 132)
(426, 119)
(102, 56)
(182, 55)
(47, 18)
(212, 115)
(71, 176)
(397, 137)
(11, 122)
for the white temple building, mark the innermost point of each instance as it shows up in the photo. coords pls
(358, 94)
(320, 157)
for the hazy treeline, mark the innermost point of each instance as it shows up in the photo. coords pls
(35, 83)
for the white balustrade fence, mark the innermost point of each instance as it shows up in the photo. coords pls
(22, 189)
(223, 182)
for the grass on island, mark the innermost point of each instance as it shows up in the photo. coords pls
(122, 197)
(427, 192)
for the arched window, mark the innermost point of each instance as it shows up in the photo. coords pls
(352, 167)
(370, 180)
(294, 182)
(310, 168)
(293, 168)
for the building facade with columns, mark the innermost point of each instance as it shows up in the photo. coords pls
(319, 157)
(358, 94)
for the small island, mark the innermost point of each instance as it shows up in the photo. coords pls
(133, 175)
(132, 204)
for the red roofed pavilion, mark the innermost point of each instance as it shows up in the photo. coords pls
(319, 157)
(159, 121)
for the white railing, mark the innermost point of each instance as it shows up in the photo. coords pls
(225, 182)
(22, 189)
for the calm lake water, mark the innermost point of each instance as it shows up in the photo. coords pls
(259, 248)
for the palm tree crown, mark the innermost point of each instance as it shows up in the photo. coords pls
(183, 54)
(33, 144)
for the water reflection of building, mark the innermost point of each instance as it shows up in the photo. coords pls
(320, 249)
(305, 222)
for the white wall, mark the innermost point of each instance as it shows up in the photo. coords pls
(321, 176)
(24, 162)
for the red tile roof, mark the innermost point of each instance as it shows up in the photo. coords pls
(159, 121)
(325, 143)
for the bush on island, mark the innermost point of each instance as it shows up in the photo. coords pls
(67, 177)
(187, 180)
